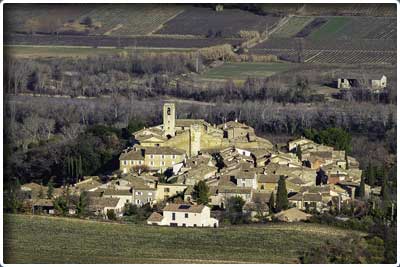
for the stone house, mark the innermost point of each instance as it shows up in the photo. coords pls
(100, 205)
(152, 158)
(185, 215)
(268, 182)
(165, 191)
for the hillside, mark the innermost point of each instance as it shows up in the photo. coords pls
(37, 239)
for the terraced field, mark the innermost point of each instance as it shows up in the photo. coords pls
(336, 40)
(293, 26)
(35, 239)
(343, 9)
(46, 15)
(128, 19)
(345, 28)
(110, 19)
(202, 21)
(111, 41)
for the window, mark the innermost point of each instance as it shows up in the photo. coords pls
(166, 190)
(140, 162)
(173, 216)
(131, 162)
(168, 111)
(125, 162)
(162, 163)
(186, 215)
(152, 163)
(149, 199)
(151, 156)
(174, 156)
(162, 156)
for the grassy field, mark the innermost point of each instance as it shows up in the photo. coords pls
(35, 239)
(329, 29)
(242, 70)
(70, 51)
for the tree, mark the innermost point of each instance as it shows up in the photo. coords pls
(50, 189)
(41, 192)
(282, 202)
(234, 210)
(370, 175)
(271, 203)
(298, 152)
(111, 215)
(362, 188)
(201, 192)
(385, 191)
(83, 203)
(60, 204)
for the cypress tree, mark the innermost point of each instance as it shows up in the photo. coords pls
(41, 193)
(370, 175)
(271, 204)
(385, 189)
(50, 189)
(362, 188)
(201, 192)
(347, 160)
(282, 201)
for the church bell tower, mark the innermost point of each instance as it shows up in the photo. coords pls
(169, 119)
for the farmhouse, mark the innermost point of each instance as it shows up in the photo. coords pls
(374, 82)
(185, 215)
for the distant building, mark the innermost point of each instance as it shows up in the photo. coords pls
(374, 82)
(185, 215)
(219, 8)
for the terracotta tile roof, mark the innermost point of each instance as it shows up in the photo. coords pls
(184, 208)
(155, 217)
(43, 203)
(102, 202)
(235, 190)
(164, 150)
(268, 178)
(188, 122)
(114, 192)
(132, 155)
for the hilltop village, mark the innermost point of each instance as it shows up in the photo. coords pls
(186, 170)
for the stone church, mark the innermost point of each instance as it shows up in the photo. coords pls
(182, 138)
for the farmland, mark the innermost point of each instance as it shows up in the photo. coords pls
(240, 71)
(334, 39)
(345, 28)
(342, 9)
(293, 26)
(203, 21)
(110, 19)
(109, 41)
(22, 51)
(35, 239)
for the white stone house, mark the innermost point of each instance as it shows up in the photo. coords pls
(185, 215)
